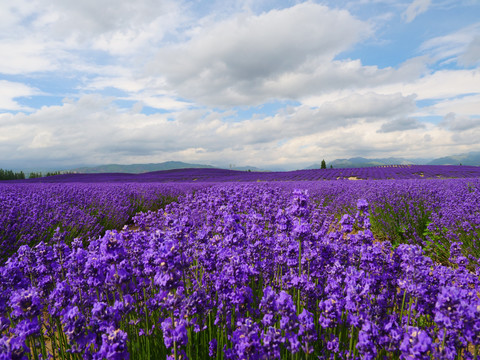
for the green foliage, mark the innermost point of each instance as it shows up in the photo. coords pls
(10, 175)
(323, 165)
(39, 174)
(437, 246)
(401, 223)
(140, 204)
(439, 241)
(34, 175)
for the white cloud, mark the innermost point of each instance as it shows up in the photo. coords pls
(93, 125)
(459, 123)
(163, 102)
(25, 56)
(93, 130)
(416, 8)
(370, 106)
(464, 106)
(442, 84)
(401, 124)
(466, 140)
(460, 46)
(41, 140)
(235, 61)
(87, 19)
(471, 56)
(359, 138)
(147, 91)
(46, 35)
(9, 91)
(452, 90)
(163, 57)
(119, 78)
(338, 79)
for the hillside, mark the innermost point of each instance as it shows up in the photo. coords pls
(471, 159)
(139, 168)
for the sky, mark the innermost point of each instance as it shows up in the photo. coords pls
(272, 84)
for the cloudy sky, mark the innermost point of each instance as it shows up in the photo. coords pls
(247, 82)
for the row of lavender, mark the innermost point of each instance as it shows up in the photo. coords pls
(222, 175)
(257, 271)
(30, 213)
(381, 173)
(430, 213)
(433, 213)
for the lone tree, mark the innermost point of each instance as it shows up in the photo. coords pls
(324, 165)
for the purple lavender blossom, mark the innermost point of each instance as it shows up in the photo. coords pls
(212, 348)
(13, 348)
(246, 341)
(114, 346)
(26, 303)
(416, 344)
(307, 331)
(251, 266)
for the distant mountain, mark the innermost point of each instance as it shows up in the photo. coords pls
(471, 158)
(358, 162)
(143, 168)
(138, 168)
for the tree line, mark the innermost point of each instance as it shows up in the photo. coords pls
(11, 175)
(323, 165)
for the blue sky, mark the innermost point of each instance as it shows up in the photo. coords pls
(273, 84)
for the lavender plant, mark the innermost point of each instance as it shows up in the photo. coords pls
(240, 271)
(31, 213)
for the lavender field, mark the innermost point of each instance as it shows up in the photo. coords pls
(221, 175)
(207, 263)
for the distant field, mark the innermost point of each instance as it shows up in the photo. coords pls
(221, 175)
(208, 263)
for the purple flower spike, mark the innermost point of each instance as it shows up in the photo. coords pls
(26, 303)
(366, 340)
(299, 204)
(307, 331)
(174, 332)
(212, 348)
(27, 327)
(114, 346)
(4, 323)
(246, 341)
(362, 205)
(13, 348)
(112, 246)
(272, 340)
(416, 344)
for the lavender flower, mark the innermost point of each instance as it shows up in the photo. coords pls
(416, 344)
(212, 348)
(246, 340)
(26, 303)
(114, 346)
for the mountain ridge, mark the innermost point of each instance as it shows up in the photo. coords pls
(470, 158)
(150, 167)
(138, 168)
